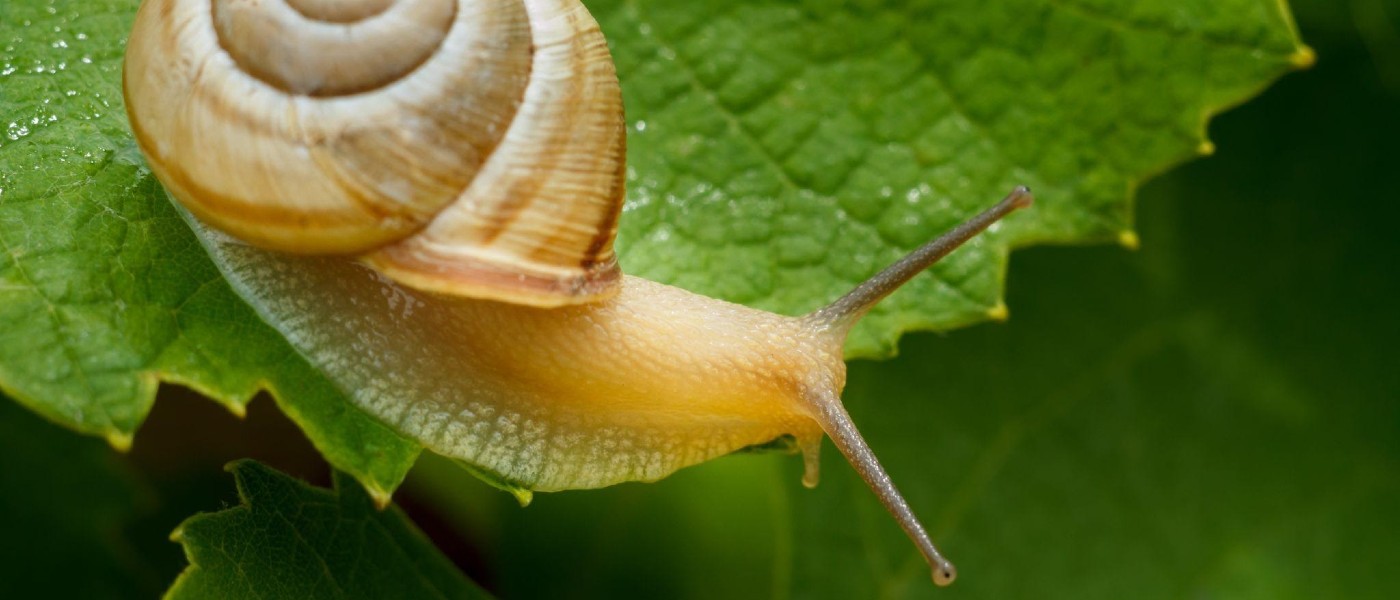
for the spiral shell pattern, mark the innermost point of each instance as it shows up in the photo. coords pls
(466, 147)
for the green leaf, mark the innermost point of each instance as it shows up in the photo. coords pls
(1214, 416)
(780, 152)
(104, 292)
(290, 540)
(1211, 418)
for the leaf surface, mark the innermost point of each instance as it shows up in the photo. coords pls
(779, 153)
(290, 540)
(1213, 416)
(782, 152)
(104, 292)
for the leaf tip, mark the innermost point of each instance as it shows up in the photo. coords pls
(1205, 148)
(1129, 240)
(999, 313)
(119, 441)
(238, 409)
(1303, 58)
(380, 496)
(522, 494)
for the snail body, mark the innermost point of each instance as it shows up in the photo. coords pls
(465, 291)
(628, 388)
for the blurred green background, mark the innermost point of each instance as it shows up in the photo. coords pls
(1214, 415)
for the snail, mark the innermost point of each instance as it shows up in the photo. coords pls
(422, 196)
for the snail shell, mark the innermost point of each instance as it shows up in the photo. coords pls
(472, 148)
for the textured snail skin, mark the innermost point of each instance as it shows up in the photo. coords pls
(630, 388)
(633, 387)
(469, 147)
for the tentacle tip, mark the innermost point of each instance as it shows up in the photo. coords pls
(811, 446)
(944, 574)
(1020, 197)
(811, 472)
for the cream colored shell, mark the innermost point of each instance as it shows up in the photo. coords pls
(471, 147)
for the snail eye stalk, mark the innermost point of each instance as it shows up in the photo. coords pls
(842, 314)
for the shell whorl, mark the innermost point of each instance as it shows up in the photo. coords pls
(472, 148)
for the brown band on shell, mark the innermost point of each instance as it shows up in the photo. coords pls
(601, 246)
(421, 268)
(340, 11)
(547, 201)
(352, 52)
(258, 223)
